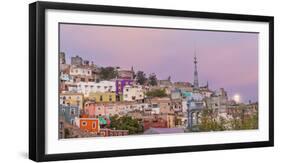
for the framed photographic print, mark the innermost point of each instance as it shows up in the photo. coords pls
(110, 81)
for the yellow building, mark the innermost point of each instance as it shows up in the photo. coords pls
(102, 96)
(72, 99)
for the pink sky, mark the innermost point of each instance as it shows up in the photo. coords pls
(225, 59)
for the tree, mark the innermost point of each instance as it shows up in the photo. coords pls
(126, 123)
(210, 122)
(242, 122)
(156, 93)
(251, 122)
(107, 73)
(141, 77)
(152, 79)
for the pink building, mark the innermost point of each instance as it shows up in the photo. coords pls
(93, 109)
(90, 109)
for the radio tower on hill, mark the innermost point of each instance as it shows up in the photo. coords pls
(195, 82)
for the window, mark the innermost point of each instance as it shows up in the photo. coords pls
(110, 98)
(84, 123)
(61, 125)
(94, 125)
(101, 98)
(127, 90)
(72, 112)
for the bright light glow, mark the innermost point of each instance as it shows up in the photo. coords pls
(237, 98)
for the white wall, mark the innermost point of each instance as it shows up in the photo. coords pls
(103, 86)
(132, 91)
(80, 71)
(14, 53)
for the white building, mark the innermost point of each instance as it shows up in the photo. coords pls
(102, 86)
(206, 93)
(184, 106)
(141, 107)
(155, 109)
(80, 71)
(132, 93)
(71, 86)
(65, 77)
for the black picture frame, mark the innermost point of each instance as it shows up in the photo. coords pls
(37, 79)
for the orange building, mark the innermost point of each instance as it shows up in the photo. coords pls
(89, 124)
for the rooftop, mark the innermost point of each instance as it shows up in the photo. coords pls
(163, 130)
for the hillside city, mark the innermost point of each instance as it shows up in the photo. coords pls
(98, 101)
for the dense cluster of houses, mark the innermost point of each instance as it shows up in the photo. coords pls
(87, 102)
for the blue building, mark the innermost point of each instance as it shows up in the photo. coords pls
(69, 113)
(176, 94)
